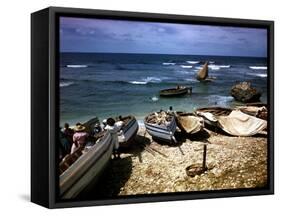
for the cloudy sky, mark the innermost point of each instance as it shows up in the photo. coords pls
(100, 35)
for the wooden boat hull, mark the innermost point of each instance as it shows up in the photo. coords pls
(189, 123)
(86, 169)
(128, 132)
(162, 132)
(216, 111)
(173, 92)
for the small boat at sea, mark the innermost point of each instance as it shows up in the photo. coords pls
(173, 92)
(189, 122)
(161, 125)
(83, 167)
(128, 131)
(203, 74)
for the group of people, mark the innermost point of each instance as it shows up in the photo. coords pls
(72, 139)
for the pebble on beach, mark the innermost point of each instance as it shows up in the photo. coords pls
(232, 162)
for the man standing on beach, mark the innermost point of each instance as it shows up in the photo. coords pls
(113, 129)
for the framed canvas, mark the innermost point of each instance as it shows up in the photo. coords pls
(139, 107)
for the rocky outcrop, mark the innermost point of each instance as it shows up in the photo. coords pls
(245, 93)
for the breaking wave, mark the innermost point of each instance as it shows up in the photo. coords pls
(168, 63)
(65, 84)
(76, 66)
(193, 62)
(186, 66)
(258, 67)
(146, 80)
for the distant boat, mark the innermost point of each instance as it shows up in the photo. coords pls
(189, 122)
(162, 126)
(128, 131)
(203, 73)
(173, 92)
(84, 167)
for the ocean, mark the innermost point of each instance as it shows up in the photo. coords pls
(107, 85)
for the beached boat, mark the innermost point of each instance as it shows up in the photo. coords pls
(259, 110)
(161, 125)
(233, 122)
(128, 131)
(173, 92)
(209, 114)
(82, 168)
(238, 123)
(189, 122)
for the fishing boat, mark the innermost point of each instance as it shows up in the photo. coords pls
(209, 114)
(203, 74)
(238, 123)
(81, 169)
(173, 92)
(233, 122)
(189, 122)
(162, 126)
(128, 131)
(258, 110)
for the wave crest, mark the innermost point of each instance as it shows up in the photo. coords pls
(258, 67)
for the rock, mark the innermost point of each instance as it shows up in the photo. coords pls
(245, 93)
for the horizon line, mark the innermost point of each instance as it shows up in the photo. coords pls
(86, 52)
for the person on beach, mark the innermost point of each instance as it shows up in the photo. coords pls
(64, 145)
(79, 137)
(104, 123)
(68, 132)
(113, 129)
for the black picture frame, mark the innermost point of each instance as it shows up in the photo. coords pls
(45, 100)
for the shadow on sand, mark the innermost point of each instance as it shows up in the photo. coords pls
(111, 181)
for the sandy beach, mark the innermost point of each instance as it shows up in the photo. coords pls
(148, 167)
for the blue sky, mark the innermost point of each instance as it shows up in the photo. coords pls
(116, 36)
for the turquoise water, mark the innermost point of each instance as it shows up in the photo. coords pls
(105, 85)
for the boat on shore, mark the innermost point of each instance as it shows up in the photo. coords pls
(232, 121)
(82, 169)
(174, 92)
(209, 114)
(128, 131)
(162, 126)
(189, 122)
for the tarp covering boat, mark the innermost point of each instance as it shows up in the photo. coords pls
(238, 123)
(190, 123)
(259, 112)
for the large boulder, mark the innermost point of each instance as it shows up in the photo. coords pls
(245, 93)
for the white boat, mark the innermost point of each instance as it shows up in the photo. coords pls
(128, 131)
(82, 168)
(164, 130)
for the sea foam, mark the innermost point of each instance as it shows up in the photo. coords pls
(168, 63)
(65, 84)
(76, 66)
(258, 67)
(193, 62)
(186, 66)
